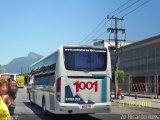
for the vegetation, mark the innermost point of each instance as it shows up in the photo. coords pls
(120, 76)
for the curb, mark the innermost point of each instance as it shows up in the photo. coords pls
(139, 96)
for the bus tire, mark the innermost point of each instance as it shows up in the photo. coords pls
(44, 111)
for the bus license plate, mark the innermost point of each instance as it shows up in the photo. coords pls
(86, 106)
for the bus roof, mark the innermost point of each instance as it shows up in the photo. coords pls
(83, 46)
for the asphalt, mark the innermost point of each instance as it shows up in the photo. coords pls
(27, 111)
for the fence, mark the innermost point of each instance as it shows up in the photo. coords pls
(149, 86)
(143, 88)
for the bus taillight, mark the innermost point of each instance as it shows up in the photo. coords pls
(58, 88)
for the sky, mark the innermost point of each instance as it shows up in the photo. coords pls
(41, 26)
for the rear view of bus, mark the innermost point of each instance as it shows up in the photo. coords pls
(83, 83)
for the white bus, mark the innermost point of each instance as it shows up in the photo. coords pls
(9, 75)
(73, 80)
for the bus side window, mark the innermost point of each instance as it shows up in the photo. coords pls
(51, 80)
(35, 82)
(51, 83)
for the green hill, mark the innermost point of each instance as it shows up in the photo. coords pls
(22, 63)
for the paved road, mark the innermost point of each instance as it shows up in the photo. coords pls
(28, 111)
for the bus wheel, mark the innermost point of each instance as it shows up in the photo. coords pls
(44, 106)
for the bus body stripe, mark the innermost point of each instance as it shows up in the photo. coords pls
(104, 90)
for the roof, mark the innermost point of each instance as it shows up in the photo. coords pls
(142, 43)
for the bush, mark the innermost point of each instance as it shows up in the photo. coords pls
(120, 76)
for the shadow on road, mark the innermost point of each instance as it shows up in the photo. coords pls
(38, 112)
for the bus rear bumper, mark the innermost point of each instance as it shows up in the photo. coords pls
(72, 108)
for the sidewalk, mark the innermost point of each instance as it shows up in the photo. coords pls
(130, 101)
(151, 96)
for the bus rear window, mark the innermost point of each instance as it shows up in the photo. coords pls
(87, 59)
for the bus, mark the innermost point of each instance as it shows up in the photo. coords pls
(20, 81)
(9, 75)
(74, 79)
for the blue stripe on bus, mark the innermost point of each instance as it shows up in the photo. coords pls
(104, 86)
(99, 75)
(104, 90)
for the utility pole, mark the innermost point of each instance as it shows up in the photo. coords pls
(115, 31)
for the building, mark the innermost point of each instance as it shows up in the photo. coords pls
(110, 43)
(141, 64)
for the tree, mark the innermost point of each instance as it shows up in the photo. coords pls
(120, 76)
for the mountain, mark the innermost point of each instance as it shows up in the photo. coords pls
(2, 69)
(22, 63)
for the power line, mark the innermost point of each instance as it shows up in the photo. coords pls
(93, 30)
(90, 39)
(98, 36)
(96, 32)
(126, 7)
(119, 7)
(103, 21)
(137, 8)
